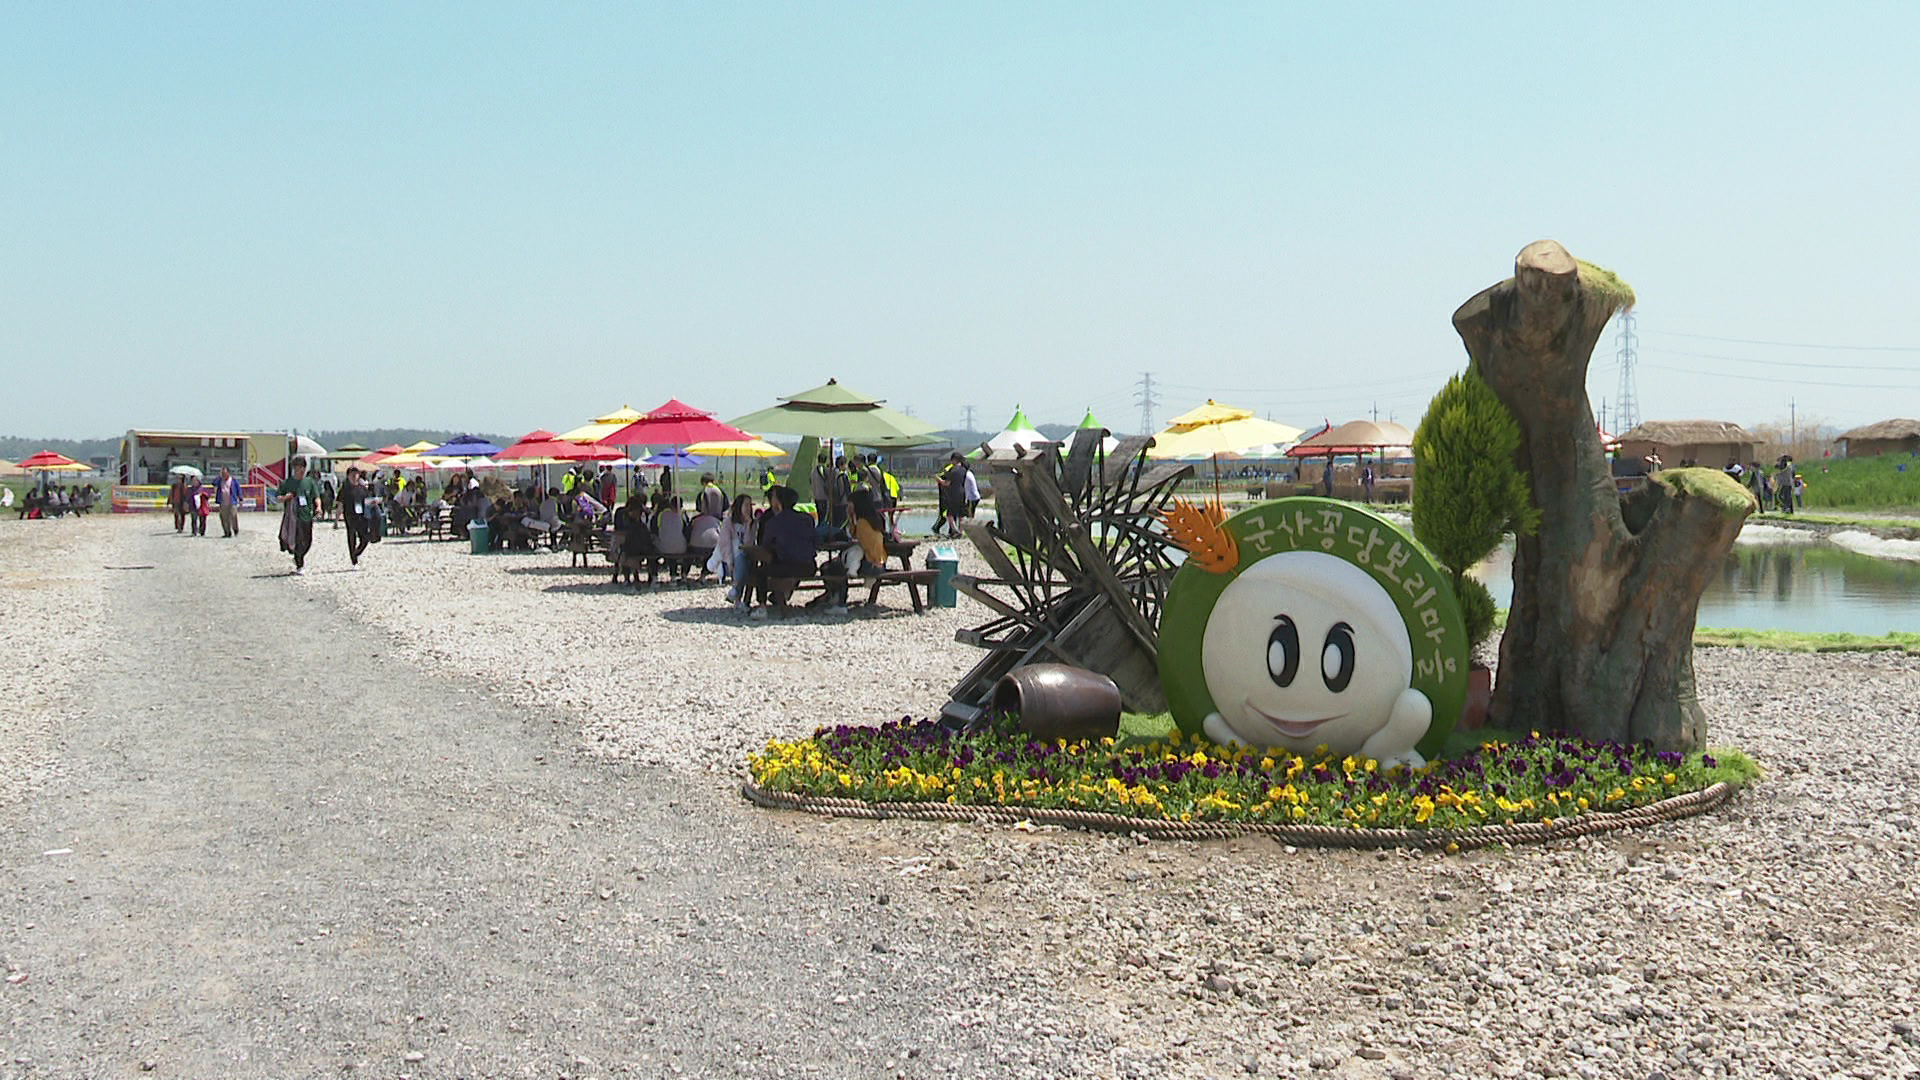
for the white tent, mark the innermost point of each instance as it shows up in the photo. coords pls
(1088, 422)
(1261, 452)
(1019, 436)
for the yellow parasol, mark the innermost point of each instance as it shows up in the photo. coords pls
(410, 456)
(755, 448)
(602, 426)
(1218, 429)
(750, 448)
(1214, 429)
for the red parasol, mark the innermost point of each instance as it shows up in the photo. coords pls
(675, 424)
(47, 459)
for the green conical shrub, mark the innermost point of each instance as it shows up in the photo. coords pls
(1469, 490)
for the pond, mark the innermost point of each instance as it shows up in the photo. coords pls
(1774, 579)
(1779, 579)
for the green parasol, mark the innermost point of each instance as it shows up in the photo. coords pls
(834, 412)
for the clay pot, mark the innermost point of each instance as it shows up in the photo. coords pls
(1055, 701)
(1473, 711)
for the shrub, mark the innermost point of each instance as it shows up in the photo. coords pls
(1470, 490)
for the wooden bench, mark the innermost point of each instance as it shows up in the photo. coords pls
(583, 539)
(914, 580)
(690, 567)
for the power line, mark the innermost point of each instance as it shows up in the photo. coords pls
(1791, 382)
(1431, 380)
(1148, 402)
(1787, 363)
(1626, 401)
(1789, 344)
(968, 410)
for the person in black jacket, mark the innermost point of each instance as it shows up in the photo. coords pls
(356, 510)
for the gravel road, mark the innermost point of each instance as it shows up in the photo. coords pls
(520, 846)
(277, 853)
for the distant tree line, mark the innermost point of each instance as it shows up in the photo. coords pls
(15, 447)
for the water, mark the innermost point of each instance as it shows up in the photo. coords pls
(1775, 582)
(1774, 579)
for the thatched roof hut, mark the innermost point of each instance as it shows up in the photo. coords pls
(1712, 443)
(1898, 436)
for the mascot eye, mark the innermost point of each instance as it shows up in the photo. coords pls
(1336, 662)
(1283, 652)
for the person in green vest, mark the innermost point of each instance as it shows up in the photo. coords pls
(299, 497)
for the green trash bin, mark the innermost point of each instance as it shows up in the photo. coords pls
(477, 532)
(945, 563)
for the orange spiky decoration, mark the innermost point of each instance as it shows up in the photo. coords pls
(1196, 528)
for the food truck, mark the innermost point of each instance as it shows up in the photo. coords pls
(258, 458)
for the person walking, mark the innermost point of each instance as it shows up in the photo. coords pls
(299, 497)
(1783, 487)
(200, 500)
(950, 497)
(226, 497)
(357, 510)
(1366, 483)
(327, 499)
(177, 501)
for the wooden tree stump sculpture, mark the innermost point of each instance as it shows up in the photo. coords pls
(1599, 638)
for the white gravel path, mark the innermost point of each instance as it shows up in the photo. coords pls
(661, 676)
(53, 580)
(1777, 937)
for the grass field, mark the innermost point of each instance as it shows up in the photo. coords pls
(1866, 520)
(1862, 483)
(1793, 641)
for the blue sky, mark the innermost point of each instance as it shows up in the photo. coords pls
(501, 217)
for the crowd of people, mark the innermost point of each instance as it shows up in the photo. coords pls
(1782, 490)
(959, 492)
(758, 548)
(50, 501)
(192, 501)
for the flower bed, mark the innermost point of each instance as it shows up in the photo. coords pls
(1532, 779)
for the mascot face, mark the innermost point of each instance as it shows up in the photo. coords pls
(1304, 650)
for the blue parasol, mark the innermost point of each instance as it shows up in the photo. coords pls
(678, 459)
(463, 446)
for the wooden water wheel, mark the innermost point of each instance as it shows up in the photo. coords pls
(1081, 564)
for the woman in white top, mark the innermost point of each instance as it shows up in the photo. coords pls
(730, 558)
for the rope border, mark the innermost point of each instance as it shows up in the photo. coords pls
(1591, 823)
